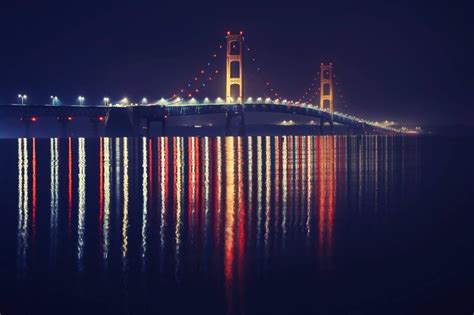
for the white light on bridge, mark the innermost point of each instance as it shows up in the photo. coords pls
(106, 101)
(144, 101)
(22, 98)
(162, 101)
(81, 100)
(287, 123)
(259, 100)
(54, 100)
(124, 101)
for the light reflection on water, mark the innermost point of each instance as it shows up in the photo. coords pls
(223, 206)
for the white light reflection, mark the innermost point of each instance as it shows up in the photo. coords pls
(268, 185)
(54, 181)
(22, 248)
(179, 173)
(309, 188)
(118, 174)
(144, 196)
(164, 187)
(106, 221)
(81, 202)
(125, 204)
(284, 188)
(206, 188)
(259, 188)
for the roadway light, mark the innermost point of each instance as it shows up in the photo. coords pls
(124, 101)
(54, 100)
(162, 101)
(106, 101)
(144, 101)
(22, 98)
(81, 100)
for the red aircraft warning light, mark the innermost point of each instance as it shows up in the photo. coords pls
(101, 118)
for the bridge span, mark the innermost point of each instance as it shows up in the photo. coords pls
(136, 120)
(128, 119)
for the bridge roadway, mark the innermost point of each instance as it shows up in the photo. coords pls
(137, 116)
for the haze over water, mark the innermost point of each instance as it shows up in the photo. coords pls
(251, 225)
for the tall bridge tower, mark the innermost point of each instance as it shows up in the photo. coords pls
(326, 99)
(234, 75)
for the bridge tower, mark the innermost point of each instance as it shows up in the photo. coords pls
(234, 75)
(326, 99)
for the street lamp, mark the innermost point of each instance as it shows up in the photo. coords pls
(124, 101)
(22, 98)
(54, 100)
(144, 101)
(81, 100)
(106, 101)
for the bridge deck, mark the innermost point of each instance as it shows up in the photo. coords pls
(159, 111)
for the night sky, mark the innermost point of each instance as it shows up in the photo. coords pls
(409, 62)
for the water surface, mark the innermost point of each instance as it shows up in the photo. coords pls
(251, 225)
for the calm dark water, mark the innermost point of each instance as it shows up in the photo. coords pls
(275, 225)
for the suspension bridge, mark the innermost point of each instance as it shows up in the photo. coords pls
(126, 119)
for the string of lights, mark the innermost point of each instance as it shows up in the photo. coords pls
(201, 79)
(338, 89)
(311, 92)
(270, 90)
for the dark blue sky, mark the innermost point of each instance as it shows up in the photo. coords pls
(407, 61)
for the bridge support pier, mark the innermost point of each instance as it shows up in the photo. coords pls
(163, 125)
(147, 128)
(28, 121)
(65, 122)
(241, 122)
(96, 121)
(331, 126)
(144, 129)
(121, 122)
(350, 130)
